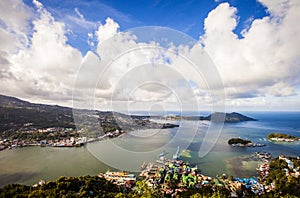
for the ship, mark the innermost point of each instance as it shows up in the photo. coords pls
(162, 158)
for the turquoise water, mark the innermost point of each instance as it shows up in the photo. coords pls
(29, 165)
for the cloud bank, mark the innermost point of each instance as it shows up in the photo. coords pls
(259, 70)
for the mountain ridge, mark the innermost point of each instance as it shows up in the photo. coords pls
(16, 113)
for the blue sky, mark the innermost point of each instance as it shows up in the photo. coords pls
(185, 16)
(46, 46)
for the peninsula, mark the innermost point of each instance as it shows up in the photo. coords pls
(28, 124)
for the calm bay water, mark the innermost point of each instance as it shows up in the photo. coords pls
(29, 165)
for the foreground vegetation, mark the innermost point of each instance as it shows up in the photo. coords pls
(87, 186)
(284, 178)
(94, 186)
(286, 185)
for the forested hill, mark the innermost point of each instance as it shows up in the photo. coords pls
(17, 114)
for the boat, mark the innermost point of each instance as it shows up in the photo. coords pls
(144, 165)
(162, 158)
(176, 155)
(163, 154)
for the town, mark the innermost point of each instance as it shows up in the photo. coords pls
(54, 136)
(175, 176)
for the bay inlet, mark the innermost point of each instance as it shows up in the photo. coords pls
(29, 165)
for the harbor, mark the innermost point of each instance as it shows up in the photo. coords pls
(174, 175)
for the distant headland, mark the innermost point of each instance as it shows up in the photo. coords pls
(233, 117)
(228, 117)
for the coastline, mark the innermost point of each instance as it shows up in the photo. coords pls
(43, 167)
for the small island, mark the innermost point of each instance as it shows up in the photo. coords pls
(238, 142)
(282, 137)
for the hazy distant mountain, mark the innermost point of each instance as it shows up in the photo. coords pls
(222, 117)
(229, 117)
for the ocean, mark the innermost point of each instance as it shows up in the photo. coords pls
(127, 152)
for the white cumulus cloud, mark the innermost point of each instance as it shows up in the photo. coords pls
(45, 69)
(38, 64)
(266, 60)
(107, 30)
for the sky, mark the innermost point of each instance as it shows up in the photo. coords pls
(77, 53)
